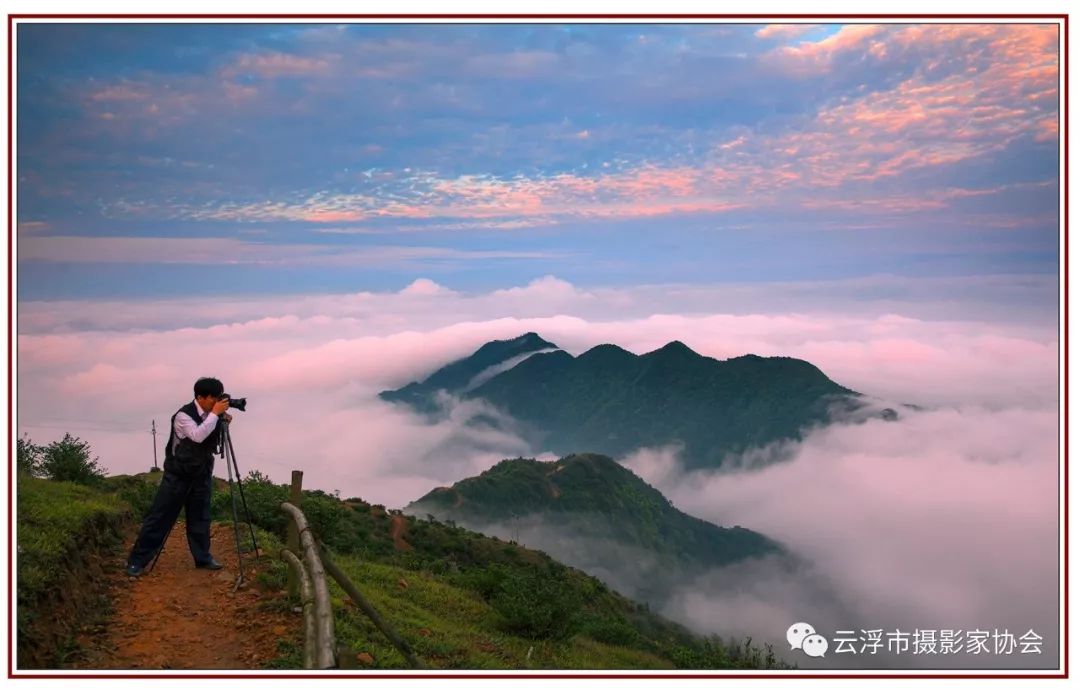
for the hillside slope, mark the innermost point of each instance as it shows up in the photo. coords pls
(458, 598)
(592, 513)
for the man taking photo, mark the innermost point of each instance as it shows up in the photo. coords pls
(187, 481)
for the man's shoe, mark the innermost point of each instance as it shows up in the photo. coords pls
(209, 565)
(135, 570)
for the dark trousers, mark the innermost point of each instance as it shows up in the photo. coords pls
(176, 492)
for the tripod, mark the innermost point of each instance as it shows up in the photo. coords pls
(225, 450)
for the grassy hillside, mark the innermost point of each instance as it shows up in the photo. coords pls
(465, 600)
(598, 496)
(62, 529)
(460, 599)
(590, 512)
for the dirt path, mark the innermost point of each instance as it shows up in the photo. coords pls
(398, 528)
(178, 617)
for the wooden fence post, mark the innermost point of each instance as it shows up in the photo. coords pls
(293, 543)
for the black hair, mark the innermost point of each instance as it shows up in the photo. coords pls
(208, 386)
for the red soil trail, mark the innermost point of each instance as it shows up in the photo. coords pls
(179, 617)
(398, 526)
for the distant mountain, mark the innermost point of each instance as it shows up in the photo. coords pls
(591, 512)
(465, 374)
(611, 401)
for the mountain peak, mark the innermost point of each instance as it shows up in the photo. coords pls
(606, 351)
(526, 341)
(532, 338)
(676, 348)
(463, 374)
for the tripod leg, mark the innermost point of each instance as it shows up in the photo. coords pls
(160, 548)
(173, 513)
(236, 526)
(243, 500)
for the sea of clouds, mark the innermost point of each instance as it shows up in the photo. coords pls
(947, 518)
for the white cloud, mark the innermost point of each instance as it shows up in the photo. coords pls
(317, 362)
(945, 519)
(425, 287)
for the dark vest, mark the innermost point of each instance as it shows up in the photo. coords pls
(190, 459)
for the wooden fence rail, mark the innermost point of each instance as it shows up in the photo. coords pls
(307, 578)
(307, 599)
(324, 615)
(362, 603)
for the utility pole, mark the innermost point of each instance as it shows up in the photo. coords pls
(153, 432)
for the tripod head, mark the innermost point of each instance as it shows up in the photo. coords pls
(223, 442)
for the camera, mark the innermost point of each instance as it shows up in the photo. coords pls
(234, 403)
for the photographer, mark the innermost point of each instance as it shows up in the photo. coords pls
(187, 481)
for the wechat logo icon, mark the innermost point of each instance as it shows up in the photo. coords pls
(803, 636)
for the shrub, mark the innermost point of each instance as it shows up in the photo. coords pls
(136, 492)
(29, 457)
(68, 460)
(487, 582)
(263, 499)
(327, 517)
(617, 631)
(538, 605)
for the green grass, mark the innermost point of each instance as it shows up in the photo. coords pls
(60, 526)
(469, 601)
(54, 521)
(453, 628)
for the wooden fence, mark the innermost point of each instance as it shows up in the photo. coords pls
(308, 563)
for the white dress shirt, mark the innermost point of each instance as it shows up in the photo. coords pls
(186, 427)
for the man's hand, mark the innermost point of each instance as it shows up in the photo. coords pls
(220, 406)
(227, 417)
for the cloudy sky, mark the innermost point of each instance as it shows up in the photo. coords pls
(314, 213)
(196, 159)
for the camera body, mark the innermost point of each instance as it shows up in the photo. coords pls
(234, 403)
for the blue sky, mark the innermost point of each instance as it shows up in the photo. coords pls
(192, 159)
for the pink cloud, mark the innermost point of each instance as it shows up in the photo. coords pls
(1047, 129)
(648, 190)
(271, 65)
(123, 91)
(332, 216)
(1004, 88)
(148, 103)
(30, 226)
(106, 380)
(894, 204)
(1009, 85)
(337, 351)
(940, 120)
(425, 287)
(515, 65)
(211, 250)
(48, 350)
(816, 56)
(237, 93)
(784, 31)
